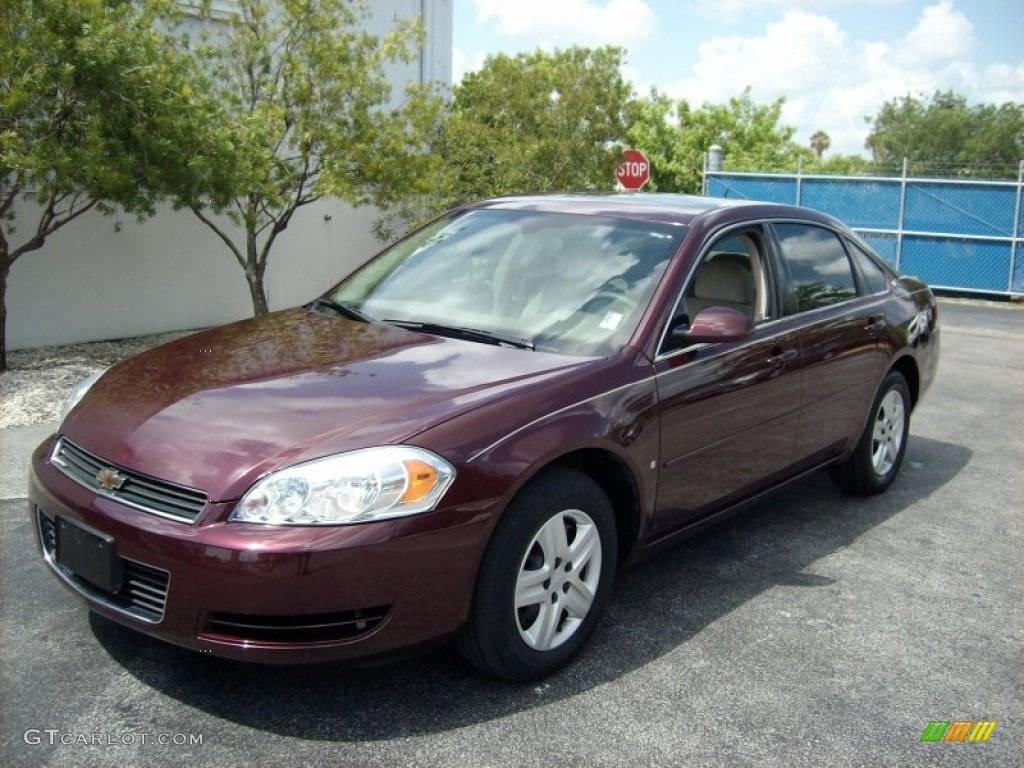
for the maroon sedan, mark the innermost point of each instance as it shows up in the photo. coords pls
(468, 437)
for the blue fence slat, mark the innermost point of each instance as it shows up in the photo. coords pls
(975, 210)
(980, 265)
(772, 190)
(872, 204)
(955, 233)
(884, 245)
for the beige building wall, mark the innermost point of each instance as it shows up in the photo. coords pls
(93, 282)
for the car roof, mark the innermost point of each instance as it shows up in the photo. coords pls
(680, 209)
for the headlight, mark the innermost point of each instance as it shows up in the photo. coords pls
(78, 392)
(357, 487)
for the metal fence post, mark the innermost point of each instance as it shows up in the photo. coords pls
(799, 179)
(1015, 243)
(903, 213)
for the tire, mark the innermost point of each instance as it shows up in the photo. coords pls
(554, 553)
(876, 460)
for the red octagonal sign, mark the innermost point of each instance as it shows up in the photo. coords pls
(634, 171)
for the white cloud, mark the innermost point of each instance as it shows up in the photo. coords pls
(1003, 82)
(794, 55)
(942, 35)
(570, 22)
(730, 11)
(458, 64)
(463, 62)
(832, 82)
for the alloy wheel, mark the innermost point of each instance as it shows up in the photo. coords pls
(558, 579)
(887, 438)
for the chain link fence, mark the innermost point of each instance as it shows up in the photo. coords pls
(958, 234)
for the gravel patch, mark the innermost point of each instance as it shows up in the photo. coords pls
(37, 381)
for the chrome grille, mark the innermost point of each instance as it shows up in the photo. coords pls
(158, 497)
(143, 592)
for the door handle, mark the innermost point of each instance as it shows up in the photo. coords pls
(874, 326)
(780, 358)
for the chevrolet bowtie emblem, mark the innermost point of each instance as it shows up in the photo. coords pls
(110, 479)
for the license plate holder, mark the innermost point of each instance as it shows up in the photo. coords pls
(89, 554)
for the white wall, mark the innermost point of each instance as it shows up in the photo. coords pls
(90, 282)
(435, 63)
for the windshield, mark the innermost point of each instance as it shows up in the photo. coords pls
(556, 282)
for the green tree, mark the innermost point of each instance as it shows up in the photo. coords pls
(846, 164)
(311, 115)
(652, 126)
(97, 109)
(676, 137)
(535, 122)
(750, 133)
(943, 134)
(820, 141)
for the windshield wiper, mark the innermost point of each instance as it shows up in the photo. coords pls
(466, 334)
(344, 309)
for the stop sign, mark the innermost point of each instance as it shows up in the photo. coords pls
(634, 171)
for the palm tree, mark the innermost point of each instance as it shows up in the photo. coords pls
(820, 141)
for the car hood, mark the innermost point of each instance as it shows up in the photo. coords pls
(220, 408)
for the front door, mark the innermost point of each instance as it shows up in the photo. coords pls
(728, 411)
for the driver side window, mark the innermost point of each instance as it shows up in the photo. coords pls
(732, 274)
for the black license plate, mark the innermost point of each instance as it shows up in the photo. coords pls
(89, 554)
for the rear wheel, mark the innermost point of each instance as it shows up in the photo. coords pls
(544, 580)
(879, 453)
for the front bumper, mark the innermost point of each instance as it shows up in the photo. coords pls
(266, 593)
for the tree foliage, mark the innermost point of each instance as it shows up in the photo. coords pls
(555, 122)
(652, 126)
(535, 122)
(676, 136)
(820, 142)
(311, 114)
(97, 109)
(751, 134)
(843, 164)
(944, 135)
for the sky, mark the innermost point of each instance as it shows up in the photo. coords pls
(835, 61)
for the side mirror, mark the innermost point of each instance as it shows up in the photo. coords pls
(714, 325)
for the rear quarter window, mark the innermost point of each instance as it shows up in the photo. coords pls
(875, 278)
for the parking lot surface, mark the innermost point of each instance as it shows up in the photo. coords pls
(812, 629)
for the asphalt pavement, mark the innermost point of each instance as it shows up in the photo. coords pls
(813, 629)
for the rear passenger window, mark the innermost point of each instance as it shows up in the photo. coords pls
(819, 269)
(875, 279)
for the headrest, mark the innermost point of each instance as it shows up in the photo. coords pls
(723, 281)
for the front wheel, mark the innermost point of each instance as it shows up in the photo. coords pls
(878, 456)
(544, 580)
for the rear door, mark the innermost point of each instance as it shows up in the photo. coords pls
(842, 324)
(728, 411)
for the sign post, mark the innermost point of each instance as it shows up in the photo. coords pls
(633, 171)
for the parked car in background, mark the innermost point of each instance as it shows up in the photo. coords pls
(470, 435)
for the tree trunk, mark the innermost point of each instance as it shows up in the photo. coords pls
(254, 275)
(5, 267)
(259, 297)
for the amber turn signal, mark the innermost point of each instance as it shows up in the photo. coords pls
(422, 478)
